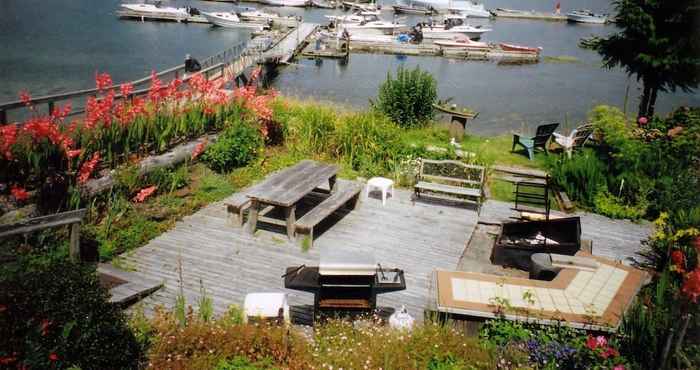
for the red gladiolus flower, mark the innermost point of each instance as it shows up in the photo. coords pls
(19, 193)
(87, 168)
(74, 153)
(7, 360)
(145, 193)
(8, 137)
(127, 89)
(103, 81)
(25, 98)
(678, 259)
(691, 285)
(199, 149)
(53, 357)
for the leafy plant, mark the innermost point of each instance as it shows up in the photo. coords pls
(612, 206)
(408, 99)
(581, 177)
(236, 146)
(368, 141)
(56, 314)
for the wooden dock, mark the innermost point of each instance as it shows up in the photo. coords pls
(130, 14)
(528, 14)
(417, 237)
(429, 49)
(291, 43)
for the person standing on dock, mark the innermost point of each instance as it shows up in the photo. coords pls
(191, 64)
(557, 8)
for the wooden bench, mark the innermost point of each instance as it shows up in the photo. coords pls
(347, 192)
(451, 180)
(236, 205)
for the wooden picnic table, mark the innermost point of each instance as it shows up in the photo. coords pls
(285, 188)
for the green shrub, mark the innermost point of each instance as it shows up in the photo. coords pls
(408, 99)
(612, 206)
(237, 145)
(581, 177)
(309, 128)
(56, 315)
(368, 142)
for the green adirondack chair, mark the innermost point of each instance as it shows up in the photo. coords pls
(542, 135)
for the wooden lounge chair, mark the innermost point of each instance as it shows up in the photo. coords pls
(542, 135)
(576, 139)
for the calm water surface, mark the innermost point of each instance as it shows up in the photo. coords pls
(56, 46)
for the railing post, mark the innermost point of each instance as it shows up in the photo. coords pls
(51, 106)
(3, 117)
(74, 249)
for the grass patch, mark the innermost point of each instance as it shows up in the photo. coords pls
(496, 150)
(502, 190)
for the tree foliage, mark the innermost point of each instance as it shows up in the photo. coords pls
(659, 43)
(408, 99)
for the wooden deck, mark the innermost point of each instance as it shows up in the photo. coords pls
(231, 262)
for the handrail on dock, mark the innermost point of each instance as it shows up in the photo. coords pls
(216, 61)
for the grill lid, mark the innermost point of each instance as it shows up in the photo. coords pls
(336, 261)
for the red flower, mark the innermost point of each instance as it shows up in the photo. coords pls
(87, 168)
(25, 98)
(591, 342)
(19, 193)
(7, 360)
(691, 285)
(74, 153)
(45, 327)
(678, 259)
(145, 193)
(127, 89)
(8, 137)
(3, 308)
(53, 356)
(199, 149)
(103, 81)
(610, 352)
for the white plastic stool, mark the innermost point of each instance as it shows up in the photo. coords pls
(382, 184)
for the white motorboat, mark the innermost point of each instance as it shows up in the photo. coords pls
(468, 8)
(453, 25)
(586, 16)
(357, 17)
(372, 28)
(157, 9)
(462, 42)
(410, 9)
(230, 20)
(294, 3)
(257, 16)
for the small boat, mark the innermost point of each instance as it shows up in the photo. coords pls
(462, 42)
(372, 28)
(409, 9)
(586, 16)
(293, 3)
(229, 20)
(322, 4)
(257, 16)
(357, 17)
(157, 9)
(520, 49)
(452, 25)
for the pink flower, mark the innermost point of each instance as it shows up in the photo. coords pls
(619, 367)
(145, 193)
(127, 89)
(642, 121)
(600, 341)
(103, 81)
(199, 149)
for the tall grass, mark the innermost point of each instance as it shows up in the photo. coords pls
(582, 176)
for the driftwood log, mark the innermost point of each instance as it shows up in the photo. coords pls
(176, 156)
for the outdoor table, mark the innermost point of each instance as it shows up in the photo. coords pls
(285, 188)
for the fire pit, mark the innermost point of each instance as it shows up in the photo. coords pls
(345, 283)
(519, 240)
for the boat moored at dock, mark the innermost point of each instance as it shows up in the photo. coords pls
(230, 20)
(520, 48)
(291, 3)
(586, 16)
(462, 42)
(453, 25)
(257, 16)
(157, 10)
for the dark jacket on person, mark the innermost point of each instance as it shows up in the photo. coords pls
(192, 65)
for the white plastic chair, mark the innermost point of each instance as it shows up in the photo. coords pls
(382, 184)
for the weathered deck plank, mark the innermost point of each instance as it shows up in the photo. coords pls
(417, 237)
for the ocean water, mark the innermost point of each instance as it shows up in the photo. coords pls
(56, 46)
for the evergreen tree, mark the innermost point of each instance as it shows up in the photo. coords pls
(659, 43)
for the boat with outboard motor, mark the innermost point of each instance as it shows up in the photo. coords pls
(230, 20)
(586, 16)
(452, 25)
(462, 42)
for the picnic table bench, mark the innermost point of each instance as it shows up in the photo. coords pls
(451, 180)
(346, 193)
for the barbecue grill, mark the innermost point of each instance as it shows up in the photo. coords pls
(345, 283)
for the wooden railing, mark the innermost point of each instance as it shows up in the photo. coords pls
(212, 66)
(26, 226)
